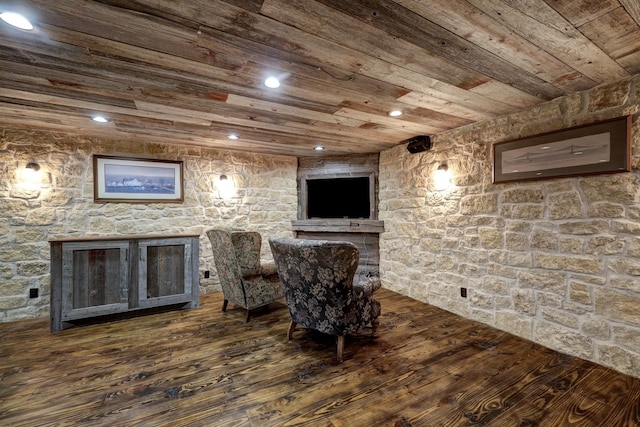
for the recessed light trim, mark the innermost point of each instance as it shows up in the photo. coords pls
(394, 113)
(16, 20)
(100, 119)
(232, 136)
(318, 148)
(272, 82)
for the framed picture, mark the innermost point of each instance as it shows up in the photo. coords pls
(603, 147)
(132, 180)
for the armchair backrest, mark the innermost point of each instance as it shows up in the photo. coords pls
(247, 246)
(227, 266)
(317, 276)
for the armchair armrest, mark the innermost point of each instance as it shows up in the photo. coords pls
(369, 285)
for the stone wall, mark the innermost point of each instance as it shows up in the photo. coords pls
(61, 204)
(555, 261)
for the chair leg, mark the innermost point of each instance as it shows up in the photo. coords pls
(248, 316)
(340, 347)
(292, 327)
(374, 326)
(224, 305)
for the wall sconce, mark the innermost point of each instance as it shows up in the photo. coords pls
(30, 173)
(442, 177)
(226, 188)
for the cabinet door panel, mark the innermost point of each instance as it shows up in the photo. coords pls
(165, 270)
(95, 279)
(165, 273)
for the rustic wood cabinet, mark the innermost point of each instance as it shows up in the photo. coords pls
(97, 276)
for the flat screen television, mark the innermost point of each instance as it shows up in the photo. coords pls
(348, 197)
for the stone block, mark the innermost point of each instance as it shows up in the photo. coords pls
(546, 281)
(624, 283)
(558, 316)
(569, 263)
(619, 359)
(618, 306)
(580, 293)
(545, 240)
(605, 210)
(522, 195)
(513, 323)
(13, 208)
(481, 300)
(571, 245)
(596, 328)
(584, 227)
(32, 268)
(627, 337)
(479, 204)
(609, 95)
(491, 238)
(565, 206)
(516, 242)
(527, 212)
(617, 188)
(564, 339)
(524, 301)
(496, 285)
(605, 245)
(630, 267)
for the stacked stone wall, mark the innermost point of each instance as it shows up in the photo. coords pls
(556, 261)
(61, 204)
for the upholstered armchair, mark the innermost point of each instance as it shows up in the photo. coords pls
(245, 282)
(317, 276)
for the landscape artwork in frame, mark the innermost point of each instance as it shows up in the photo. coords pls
(133, 180)
(603, 147)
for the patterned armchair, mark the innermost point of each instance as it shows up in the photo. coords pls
(245, 282)
(317, 276)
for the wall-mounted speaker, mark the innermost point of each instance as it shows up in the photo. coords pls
(419, 143)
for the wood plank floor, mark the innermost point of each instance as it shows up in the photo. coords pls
(201, 367)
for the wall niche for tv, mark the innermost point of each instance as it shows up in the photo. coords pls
(338, 200)
(347, 197)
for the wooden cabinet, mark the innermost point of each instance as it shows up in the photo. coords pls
(100, 276)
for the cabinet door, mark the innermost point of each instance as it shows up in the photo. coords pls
(95, 277)
(165, 272)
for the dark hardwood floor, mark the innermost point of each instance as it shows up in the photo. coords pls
(201, 367)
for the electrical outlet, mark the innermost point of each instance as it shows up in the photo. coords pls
(207, 274)
(463, 292)
(33, 293)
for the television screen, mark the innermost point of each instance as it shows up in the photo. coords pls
(338, 198)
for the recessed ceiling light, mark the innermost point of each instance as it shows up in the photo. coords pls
(232, 136)
(16, 20)
(272, 82)
(100, 119)
(318, 148)
(395, 113)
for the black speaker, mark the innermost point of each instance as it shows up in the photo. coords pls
(419, 143)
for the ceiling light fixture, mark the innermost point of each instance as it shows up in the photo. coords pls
(100, 119)
(16, 20)
(232, 136)
(394, 113)
(318, 148)
(272, 82)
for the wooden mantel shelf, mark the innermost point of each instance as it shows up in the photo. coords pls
(338, 225)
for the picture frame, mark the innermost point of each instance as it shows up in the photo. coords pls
(137, 180)
(596, 148)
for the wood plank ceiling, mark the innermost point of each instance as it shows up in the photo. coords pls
(192, 72)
